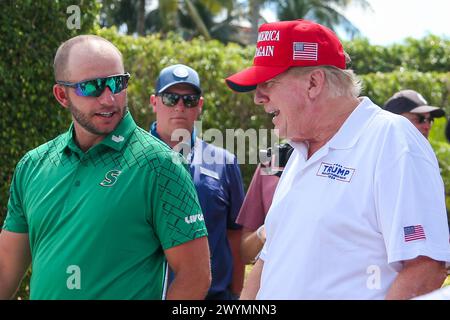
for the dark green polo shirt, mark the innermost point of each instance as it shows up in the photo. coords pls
(98, 221)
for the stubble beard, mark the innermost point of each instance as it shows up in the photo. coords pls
(83, 119)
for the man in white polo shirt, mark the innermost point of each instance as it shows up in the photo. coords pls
(359, 212)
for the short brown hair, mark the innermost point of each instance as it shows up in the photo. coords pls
(63, 52)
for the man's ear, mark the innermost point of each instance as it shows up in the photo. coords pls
(200, 105)
(61, 96)
(153, 102)
(317, 80)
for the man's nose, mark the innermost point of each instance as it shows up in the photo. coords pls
(107, 97)
(180, 105)
(260, 97)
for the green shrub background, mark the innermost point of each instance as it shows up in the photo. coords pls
(29, 115)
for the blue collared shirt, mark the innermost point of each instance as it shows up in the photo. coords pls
(221, 193)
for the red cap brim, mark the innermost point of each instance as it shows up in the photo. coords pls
(247, 79)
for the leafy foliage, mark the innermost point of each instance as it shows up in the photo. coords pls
(188, 18)
(430, 53)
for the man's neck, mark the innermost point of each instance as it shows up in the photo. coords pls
(167, 138)
(86, 140)
(337, 112)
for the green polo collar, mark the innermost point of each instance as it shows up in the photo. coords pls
(118, 138)
(115, 140)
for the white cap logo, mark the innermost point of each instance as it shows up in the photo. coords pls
(181, 72)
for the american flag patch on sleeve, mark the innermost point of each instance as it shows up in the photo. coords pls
(414, 233)
(305, 51)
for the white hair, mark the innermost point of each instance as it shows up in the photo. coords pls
(340, 82)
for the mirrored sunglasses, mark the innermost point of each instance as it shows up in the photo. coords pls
(95, 87)
(171, 99)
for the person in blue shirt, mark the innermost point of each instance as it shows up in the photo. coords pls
(178, 103)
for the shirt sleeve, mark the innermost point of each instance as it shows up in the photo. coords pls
(252, 214)
(177, 216)
(15, 218)
(411, 208)
(236, 189)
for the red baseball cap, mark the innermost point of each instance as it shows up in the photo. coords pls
(286, 44)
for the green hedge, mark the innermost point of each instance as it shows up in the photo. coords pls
(430, 53)
(434, 86)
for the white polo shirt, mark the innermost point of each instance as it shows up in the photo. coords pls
(342, 221)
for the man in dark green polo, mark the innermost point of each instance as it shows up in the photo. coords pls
(102, 209)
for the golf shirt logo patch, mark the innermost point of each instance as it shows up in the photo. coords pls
(335, 172)
(117, 139)
(110, 178)
(194, 218)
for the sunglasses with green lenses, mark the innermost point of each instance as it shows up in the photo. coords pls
(171, 99)
(95, 87)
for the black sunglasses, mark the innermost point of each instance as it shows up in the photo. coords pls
(95, 87)
(422, 119)
(171, 99)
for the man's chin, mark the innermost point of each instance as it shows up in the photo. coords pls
(102, 130)
(106, 131)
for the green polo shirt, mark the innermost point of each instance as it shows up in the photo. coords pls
(98, 221)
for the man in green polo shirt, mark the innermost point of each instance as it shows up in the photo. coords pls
(102, 209)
